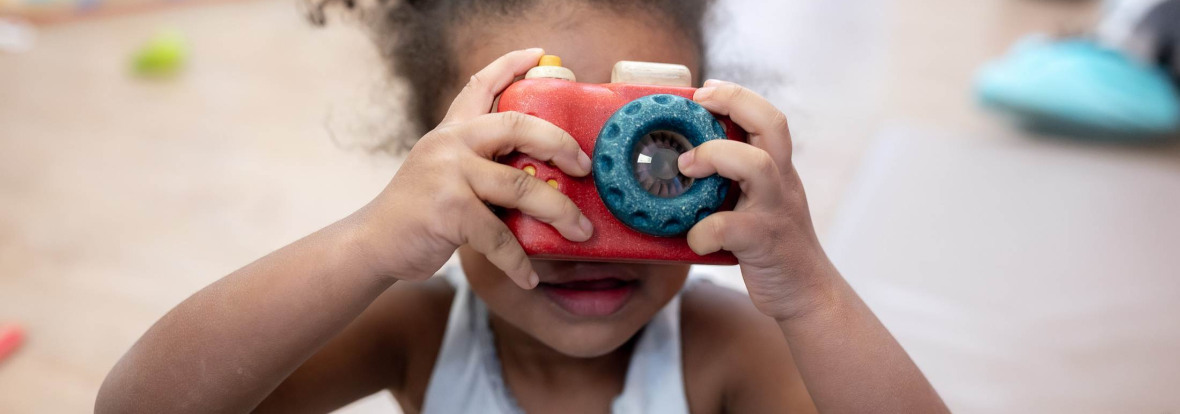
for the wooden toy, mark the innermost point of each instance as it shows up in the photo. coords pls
(634, 128)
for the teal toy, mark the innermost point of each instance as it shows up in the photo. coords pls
(1080, 88)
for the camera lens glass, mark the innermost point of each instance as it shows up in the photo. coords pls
(655, 163)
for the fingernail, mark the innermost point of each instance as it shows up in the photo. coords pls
(584, 160)
(534, 280)
(685, 160)
(586, 225)
(714, 82)
(535, 50)
(703, 93)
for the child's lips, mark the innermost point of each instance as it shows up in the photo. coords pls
(590, 298)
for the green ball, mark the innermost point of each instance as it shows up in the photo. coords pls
(163, 55)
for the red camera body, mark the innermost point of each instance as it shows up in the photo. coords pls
(581, 109)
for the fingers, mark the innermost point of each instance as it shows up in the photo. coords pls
(714, 234)
(513, 188)
(751, 167)
(477, 96)
(766, 124)
(485, 233)
(501, 133)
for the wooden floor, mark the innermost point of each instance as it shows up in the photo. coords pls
(119, 197)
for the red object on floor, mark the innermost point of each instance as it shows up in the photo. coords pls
(11, 337)
(581, 109)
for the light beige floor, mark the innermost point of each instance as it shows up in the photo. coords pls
(120, 197)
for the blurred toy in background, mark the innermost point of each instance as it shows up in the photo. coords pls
(11, 337)
(1148, 30)
(162, 56)
(1122, 83)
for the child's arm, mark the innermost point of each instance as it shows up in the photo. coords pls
(848, 360)
(231, 344)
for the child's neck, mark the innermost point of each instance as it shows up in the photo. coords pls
(529, 364)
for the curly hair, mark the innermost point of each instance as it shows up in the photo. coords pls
(410, 33)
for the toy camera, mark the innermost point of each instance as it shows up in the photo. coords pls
(634, 129)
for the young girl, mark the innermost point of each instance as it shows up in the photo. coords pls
(353, 309)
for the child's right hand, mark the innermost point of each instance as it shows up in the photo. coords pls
(227, 347)
(438, 200)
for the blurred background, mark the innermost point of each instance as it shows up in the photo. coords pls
(149, 147)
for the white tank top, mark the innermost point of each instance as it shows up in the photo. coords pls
(467, 376)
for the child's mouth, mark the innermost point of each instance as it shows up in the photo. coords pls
(597, 297)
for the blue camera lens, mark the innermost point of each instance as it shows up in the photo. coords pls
(635, 165)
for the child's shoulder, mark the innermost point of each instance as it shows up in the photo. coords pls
(720, 319)
(412, 319)
(730, 346)
(415, 310)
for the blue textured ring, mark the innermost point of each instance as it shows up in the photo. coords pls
(614, 171)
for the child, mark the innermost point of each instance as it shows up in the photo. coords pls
(352, 309)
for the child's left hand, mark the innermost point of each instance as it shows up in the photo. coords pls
(770, 229)
(847, 358)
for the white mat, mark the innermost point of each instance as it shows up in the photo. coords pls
(1022, 276)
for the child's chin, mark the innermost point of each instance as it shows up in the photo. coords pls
(586, 341)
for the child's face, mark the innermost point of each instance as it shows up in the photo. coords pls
(580, 308)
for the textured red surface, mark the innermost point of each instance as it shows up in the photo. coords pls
(581, 109)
